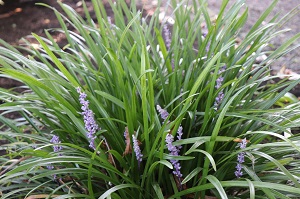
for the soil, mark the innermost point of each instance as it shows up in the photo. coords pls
(19, 18)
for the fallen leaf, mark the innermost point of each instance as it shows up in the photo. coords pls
(128, 148)
(240, 140)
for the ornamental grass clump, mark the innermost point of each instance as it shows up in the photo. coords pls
(114, 72)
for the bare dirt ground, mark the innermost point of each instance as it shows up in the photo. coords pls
(20, 18)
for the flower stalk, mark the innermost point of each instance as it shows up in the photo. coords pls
(219, 83)
(173, 150)
(56, 148)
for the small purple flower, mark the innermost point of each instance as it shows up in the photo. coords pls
(219, 82)
(55, 140)
(163, 113)
(88, 116)
(222, 69)
(179, 134)
(240, 159)
(219, 98)
(174, 150)
(50, 167)
(238, 173)
(137, 150)
(243, 144)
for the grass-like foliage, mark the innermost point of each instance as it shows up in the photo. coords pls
(139, 108)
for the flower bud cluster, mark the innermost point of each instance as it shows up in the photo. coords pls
(137, 150)
(89, 121)
(240, 159)
(56, 148)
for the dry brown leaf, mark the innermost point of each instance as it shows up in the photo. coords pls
(128, 148)
(41, 196)
(240, 140)
(14, 163)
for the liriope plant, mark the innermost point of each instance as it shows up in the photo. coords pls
(135, 107)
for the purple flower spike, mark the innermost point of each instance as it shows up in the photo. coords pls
(218, 85)
(179, 134)
(167, 35)
(240, 159)
(163, 113)
(56, 148)
(174, 151)
(88, 116)
(137, 150)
